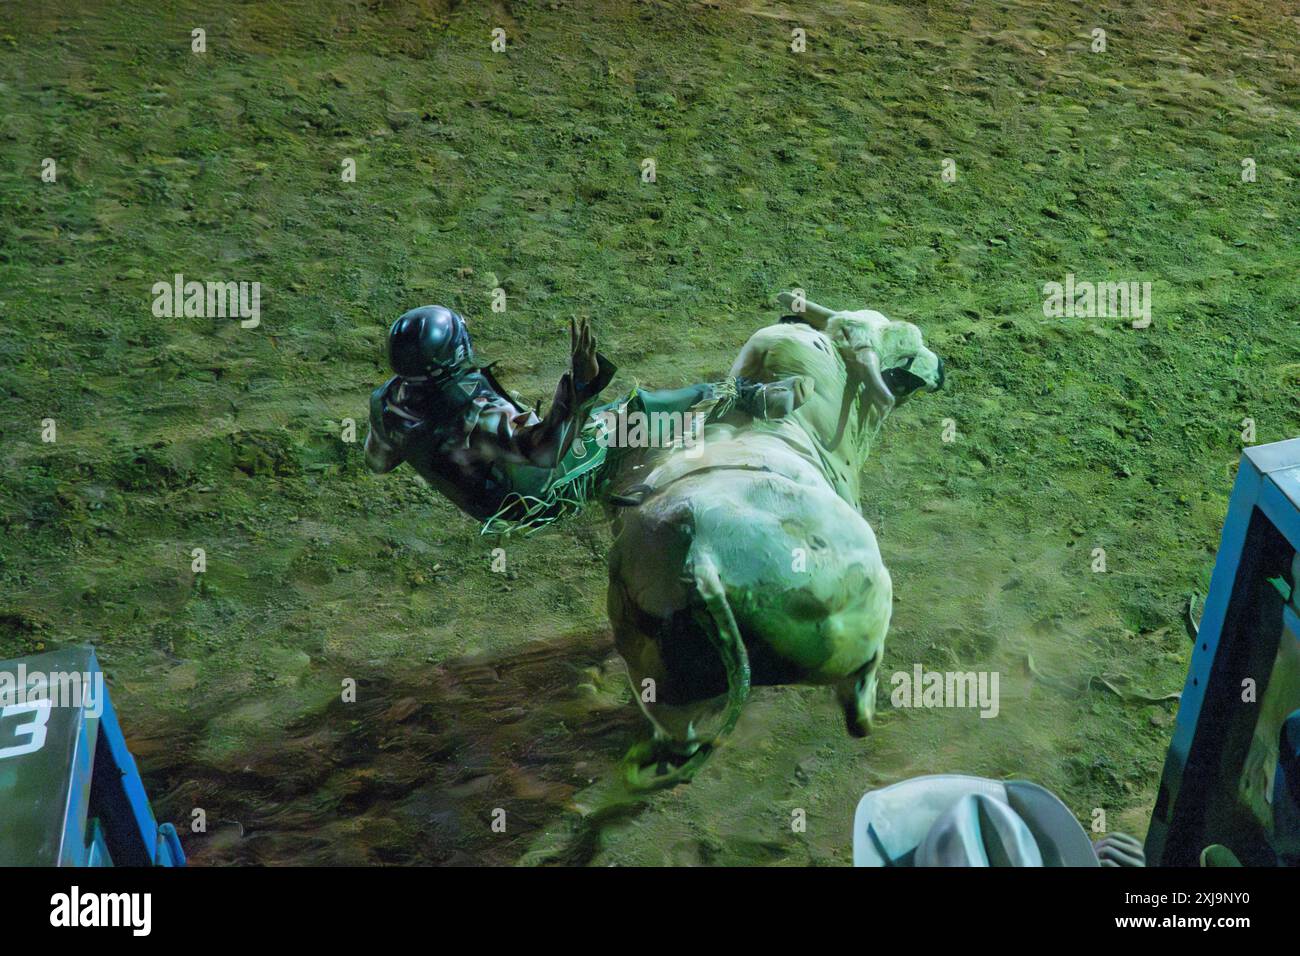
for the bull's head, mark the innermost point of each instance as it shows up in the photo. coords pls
(893, 356)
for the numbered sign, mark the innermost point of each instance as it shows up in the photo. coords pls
(70, 794)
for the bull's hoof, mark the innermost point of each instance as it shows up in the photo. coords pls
(660, 764)
(855, 723)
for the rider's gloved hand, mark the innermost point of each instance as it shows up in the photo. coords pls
(582, 348)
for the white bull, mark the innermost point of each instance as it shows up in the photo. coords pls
(749, 562)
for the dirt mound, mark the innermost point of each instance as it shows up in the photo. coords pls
(417, 771)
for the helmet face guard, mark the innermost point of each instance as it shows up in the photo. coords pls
(430, 345)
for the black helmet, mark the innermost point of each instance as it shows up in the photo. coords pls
(431, 342)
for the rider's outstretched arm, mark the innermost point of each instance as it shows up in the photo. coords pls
(542, 443)
(545, 442)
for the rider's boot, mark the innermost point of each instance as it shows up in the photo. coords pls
(762, 400)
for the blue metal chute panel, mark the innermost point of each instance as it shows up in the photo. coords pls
(70, 792)
(47, 752)
(1231, 773)
(169, 852)
(119, 799)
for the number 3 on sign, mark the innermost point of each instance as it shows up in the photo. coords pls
(33, 729)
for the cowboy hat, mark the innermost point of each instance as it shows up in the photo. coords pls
(956, 820)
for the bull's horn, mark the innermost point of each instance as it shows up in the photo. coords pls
(815, 315)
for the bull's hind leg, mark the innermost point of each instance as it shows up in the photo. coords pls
(857, 696)
(676, 752)
(672, 755)
(674, 740)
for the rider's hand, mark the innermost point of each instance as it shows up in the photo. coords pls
(582, 346)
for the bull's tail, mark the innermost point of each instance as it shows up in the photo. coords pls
(724, 633)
